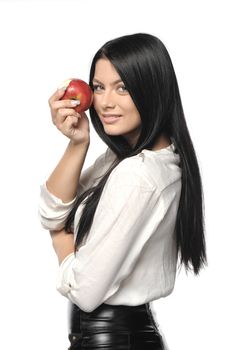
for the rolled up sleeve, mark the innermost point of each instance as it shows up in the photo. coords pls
(52, 211)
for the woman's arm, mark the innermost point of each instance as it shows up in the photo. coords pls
(63, 244)
(63, 182)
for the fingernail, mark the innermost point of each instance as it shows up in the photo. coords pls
(75, 102)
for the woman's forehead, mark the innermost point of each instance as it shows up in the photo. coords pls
(104, 70)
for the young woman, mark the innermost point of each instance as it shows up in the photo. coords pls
(137, 211)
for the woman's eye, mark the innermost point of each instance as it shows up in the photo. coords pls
(122, 88)
(97, 87)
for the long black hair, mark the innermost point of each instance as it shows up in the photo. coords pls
(144, 65)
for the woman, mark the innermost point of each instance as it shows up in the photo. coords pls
(136, 210)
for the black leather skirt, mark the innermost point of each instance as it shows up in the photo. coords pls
(113, 327)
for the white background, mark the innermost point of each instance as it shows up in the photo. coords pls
(43, 43)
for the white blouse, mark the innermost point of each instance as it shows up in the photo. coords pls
(130, 255)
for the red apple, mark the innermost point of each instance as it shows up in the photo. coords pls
(77, 89)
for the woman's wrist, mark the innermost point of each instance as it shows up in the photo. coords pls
(74, 144)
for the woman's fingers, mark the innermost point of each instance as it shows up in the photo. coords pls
(55, 101)
(62, 113)
(70, 120)
(56, 96)
(60, 109)
(69, 125)
(72, 124)
(55, 105)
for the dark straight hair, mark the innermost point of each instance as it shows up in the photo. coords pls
(144, 65)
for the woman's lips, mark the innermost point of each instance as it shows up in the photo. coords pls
(111, 118)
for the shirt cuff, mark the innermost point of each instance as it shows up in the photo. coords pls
(65, 275)
(53, 211)
(51, 200)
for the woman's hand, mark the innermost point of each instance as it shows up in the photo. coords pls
(63, 244)
(72, 124)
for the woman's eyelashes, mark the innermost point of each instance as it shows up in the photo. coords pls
(122, 88)
(98, 88)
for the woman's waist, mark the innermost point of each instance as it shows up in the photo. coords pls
(110, 317)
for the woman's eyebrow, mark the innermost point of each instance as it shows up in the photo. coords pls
(113, 83)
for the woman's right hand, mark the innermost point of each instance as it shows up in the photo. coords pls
(72, 124)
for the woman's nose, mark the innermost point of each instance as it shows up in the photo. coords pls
(107, 100)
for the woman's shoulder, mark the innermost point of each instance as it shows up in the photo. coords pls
(148, 169)
(155, 169)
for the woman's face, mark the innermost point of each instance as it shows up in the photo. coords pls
(114, 104)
